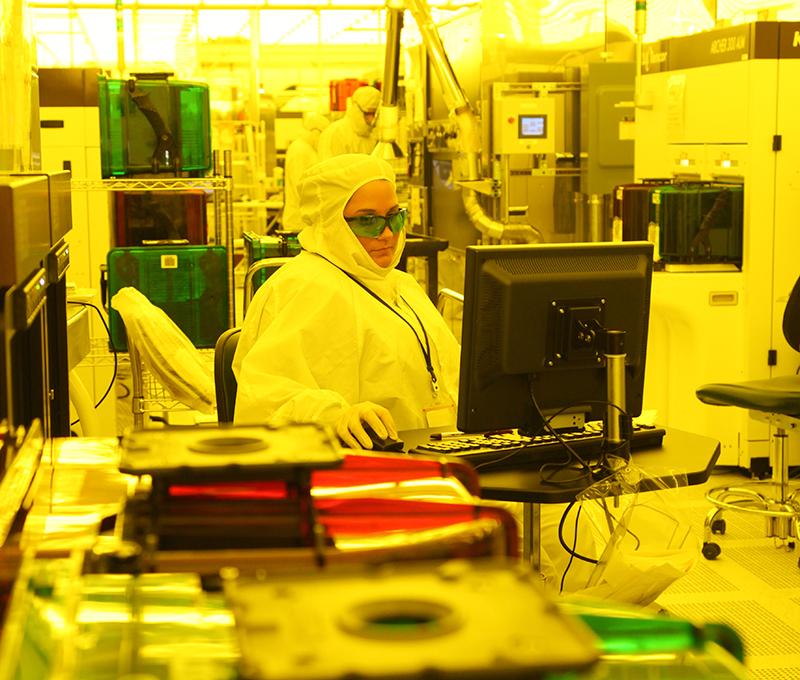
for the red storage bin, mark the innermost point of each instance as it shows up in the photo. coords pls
(340, 91)
(633, 205)
(160, 216)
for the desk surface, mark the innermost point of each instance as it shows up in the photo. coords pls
(682, 453)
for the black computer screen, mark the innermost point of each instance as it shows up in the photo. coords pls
(533, 322)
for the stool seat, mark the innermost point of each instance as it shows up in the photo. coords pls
(779, 399)
(773, 395)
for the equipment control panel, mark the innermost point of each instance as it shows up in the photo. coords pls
(523, 124)
(27, 300)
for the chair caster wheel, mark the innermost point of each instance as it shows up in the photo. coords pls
(711, 551)
(718, 526)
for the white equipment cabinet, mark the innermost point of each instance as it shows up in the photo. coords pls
(723, 104)
(70, 139)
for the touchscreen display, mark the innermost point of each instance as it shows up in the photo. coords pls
(533, 126)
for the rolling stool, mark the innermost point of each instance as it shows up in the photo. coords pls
(776, 400)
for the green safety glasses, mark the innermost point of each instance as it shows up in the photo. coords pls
(372, 226)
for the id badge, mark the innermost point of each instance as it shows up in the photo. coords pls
(440, 415)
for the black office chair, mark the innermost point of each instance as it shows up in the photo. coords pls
(224, 380)
(776, 400)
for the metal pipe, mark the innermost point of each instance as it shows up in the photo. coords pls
(531, 535)
(780, 464)
(615, 384)
(216, 169)
(639, 29)
(454, 96)
(505, 187)
(137, 388)
(492, 228)
(227, 168)
(391, 64)
(596, 218)
(207, 5)
(255, 72)
(120, 26)
(469, 137)
(387, 147)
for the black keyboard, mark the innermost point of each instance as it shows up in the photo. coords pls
(508, 448)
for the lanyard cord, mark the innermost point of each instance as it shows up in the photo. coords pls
(426, 348)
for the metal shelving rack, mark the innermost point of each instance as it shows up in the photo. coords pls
(220, 183)
(148, 395)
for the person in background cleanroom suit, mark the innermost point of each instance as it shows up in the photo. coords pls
(301, 155)
(355, 131)
(338, 335)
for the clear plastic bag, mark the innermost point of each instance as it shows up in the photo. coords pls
(643, 541)
(166, 351)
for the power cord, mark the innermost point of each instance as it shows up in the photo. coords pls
(585, 469)
(571, 551)
(545, 425)
(569, 451)
(110, 344)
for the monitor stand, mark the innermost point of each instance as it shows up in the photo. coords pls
(615, 438)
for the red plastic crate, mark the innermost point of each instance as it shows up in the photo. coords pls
(160, 216)
(340, 91)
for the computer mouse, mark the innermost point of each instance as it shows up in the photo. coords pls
(382, 443)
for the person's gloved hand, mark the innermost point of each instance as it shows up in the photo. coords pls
(350, 426)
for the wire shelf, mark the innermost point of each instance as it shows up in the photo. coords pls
(165, 184)
(100, 354)
(154, 397)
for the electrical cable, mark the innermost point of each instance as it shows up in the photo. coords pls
(572, 553)
(587, 469)
(569, 451)
(511, 453)
(111, 344)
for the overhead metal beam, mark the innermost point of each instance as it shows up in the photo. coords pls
(202, 5)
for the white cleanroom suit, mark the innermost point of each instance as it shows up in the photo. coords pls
(300, 155)
(314, 342)
(352, 133)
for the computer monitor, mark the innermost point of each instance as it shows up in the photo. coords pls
(534, 317)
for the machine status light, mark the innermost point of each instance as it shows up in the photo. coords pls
(533, 127)
(726, 163)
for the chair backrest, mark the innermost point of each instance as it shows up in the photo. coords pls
(224, 380)
(269, 264)
(791, 317)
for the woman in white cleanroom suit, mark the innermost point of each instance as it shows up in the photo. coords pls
(338, 335)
